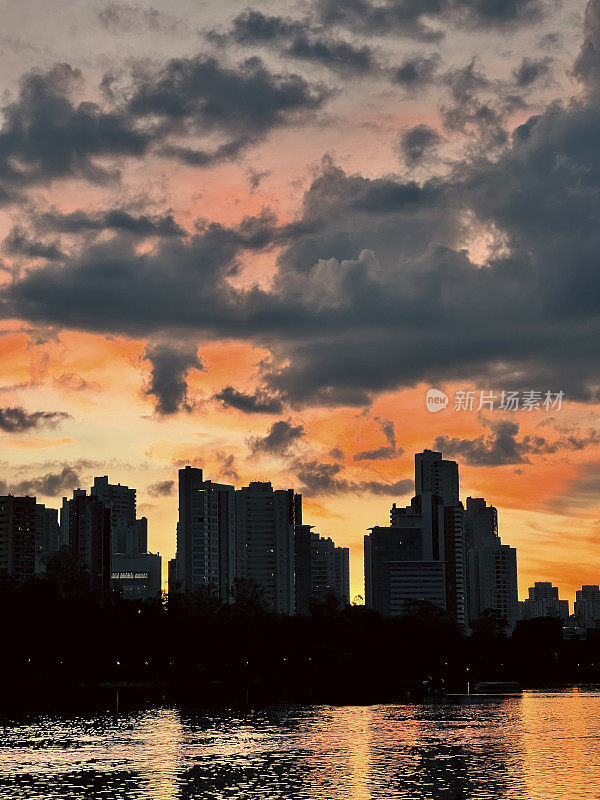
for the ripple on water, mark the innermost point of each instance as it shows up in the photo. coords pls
(531, 747)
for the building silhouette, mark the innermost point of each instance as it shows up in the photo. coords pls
(491, 567)
(135, 573)
(227, 536)
(17, 536)
(321, 569)
(205, 558)
(587, 607)
(543, 601)
(121, 500)
(86, 525)
(103, 535)
(47, 532)
(436, 475)
(265, 544)
(342, 573)
(422, 554)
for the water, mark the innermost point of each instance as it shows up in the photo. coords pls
(538, 745)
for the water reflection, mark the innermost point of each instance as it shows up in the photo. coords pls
(513, 748)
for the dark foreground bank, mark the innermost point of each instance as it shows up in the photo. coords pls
(62, 644)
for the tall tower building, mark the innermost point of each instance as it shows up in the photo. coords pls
(422, 555)
(587, 606)
(205, 534)
(121, 500)
(492, 566)
(321, 569)
(88, 522)
(135, 573)
(264, 541)
(46, 536)
(436, 475)
(17, 536)
(342, 573)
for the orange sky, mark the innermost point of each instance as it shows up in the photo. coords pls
(547, 501)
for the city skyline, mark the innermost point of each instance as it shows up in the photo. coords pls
(432, 473)
(261, 237)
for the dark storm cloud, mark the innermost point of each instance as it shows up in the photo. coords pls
(282, 435)
(500, 447)
(319, 478)
(14, 419)
(503, 447)
(417, 71)
(51, 484)
(415, 144)
(171, 364)
(297, 39)
(412, 18)
(19, 243)
(587, 64)
(374, 287)
(161, 489)
(199, 95)
(46, 135)
(531, 70)
(257, 402)
(115, 219)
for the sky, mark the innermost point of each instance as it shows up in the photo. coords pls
(252, 237)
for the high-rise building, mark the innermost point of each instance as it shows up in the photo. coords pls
(321, 569)
(87, 520)
(264, 543)
(543, 601)
(17, 536)
(135, 573)
(422, 555)
(121, 500)
(587, 607)
(342, 573)
(46, 536)
(492, 566)
(436, 475)
(205, 535)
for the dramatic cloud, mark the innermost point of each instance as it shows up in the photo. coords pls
(415, 144)
(320, 478)
(16, 420)
(198, 96)
(387, 451)
(531, 70)
(18, 243)
(503, 447)
(297, 39)
(587, 65)
(416, 72)
(52, 484)
(412, 19)
(171, 364)
(161, 489)
(258, 402)
(113, 220)
(46, 135)
(282, 435)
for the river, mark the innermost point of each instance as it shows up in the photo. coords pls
(529, 746)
